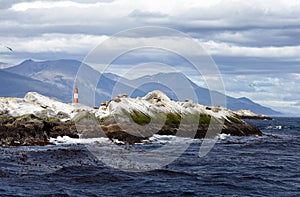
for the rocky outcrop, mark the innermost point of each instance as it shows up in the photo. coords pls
(248, 114)
(36, 118)
(30, 130)
(234, 129)
(156, 113)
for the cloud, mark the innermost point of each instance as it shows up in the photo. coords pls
(215, 48)
(256, 37)
(277, 91)
(106, 18)
(138, 13)
(76, 43)
(189, 15)
(24, 6)
(255, 43)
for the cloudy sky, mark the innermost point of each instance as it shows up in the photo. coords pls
(256, 44)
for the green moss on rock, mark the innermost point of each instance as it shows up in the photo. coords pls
(140, 118)
(204, 119)
(173, 118)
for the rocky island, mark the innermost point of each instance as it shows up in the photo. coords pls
(34, 119)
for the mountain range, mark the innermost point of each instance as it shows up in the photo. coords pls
(56, 79)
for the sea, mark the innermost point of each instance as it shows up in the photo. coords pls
(236, 166)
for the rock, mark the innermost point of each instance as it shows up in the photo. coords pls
(32, 130)
(62, 115)
(4, 119)
(216, 109)
(238, 129)
(234, 129)
(248, 114)
(104, 104)
(64, 130)
(127, 119)
(125, 137)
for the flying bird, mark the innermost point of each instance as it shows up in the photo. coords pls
(7, 47)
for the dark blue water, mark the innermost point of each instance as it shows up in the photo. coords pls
(236, 166)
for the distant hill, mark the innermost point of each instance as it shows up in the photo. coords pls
(4, 65)
(14, 85)
(60, 75)
(57, 72)
(203, 94)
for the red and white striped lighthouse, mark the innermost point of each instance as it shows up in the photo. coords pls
(76, 95)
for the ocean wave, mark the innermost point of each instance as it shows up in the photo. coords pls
(170, 139)
(276, 127)
(68, 140)
(222, 136)
(155, 139)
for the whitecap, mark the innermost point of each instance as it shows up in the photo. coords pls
(277, 127)
(68, 140)
(222, 136)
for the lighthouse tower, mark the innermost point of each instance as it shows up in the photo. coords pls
(76, 95)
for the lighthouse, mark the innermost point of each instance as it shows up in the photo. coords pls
(76, 95)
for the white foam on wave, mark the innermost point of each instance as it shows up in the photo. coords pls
(68, 140)
(222, 136)
(155, 139)
(277, 127)
(169, 139)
